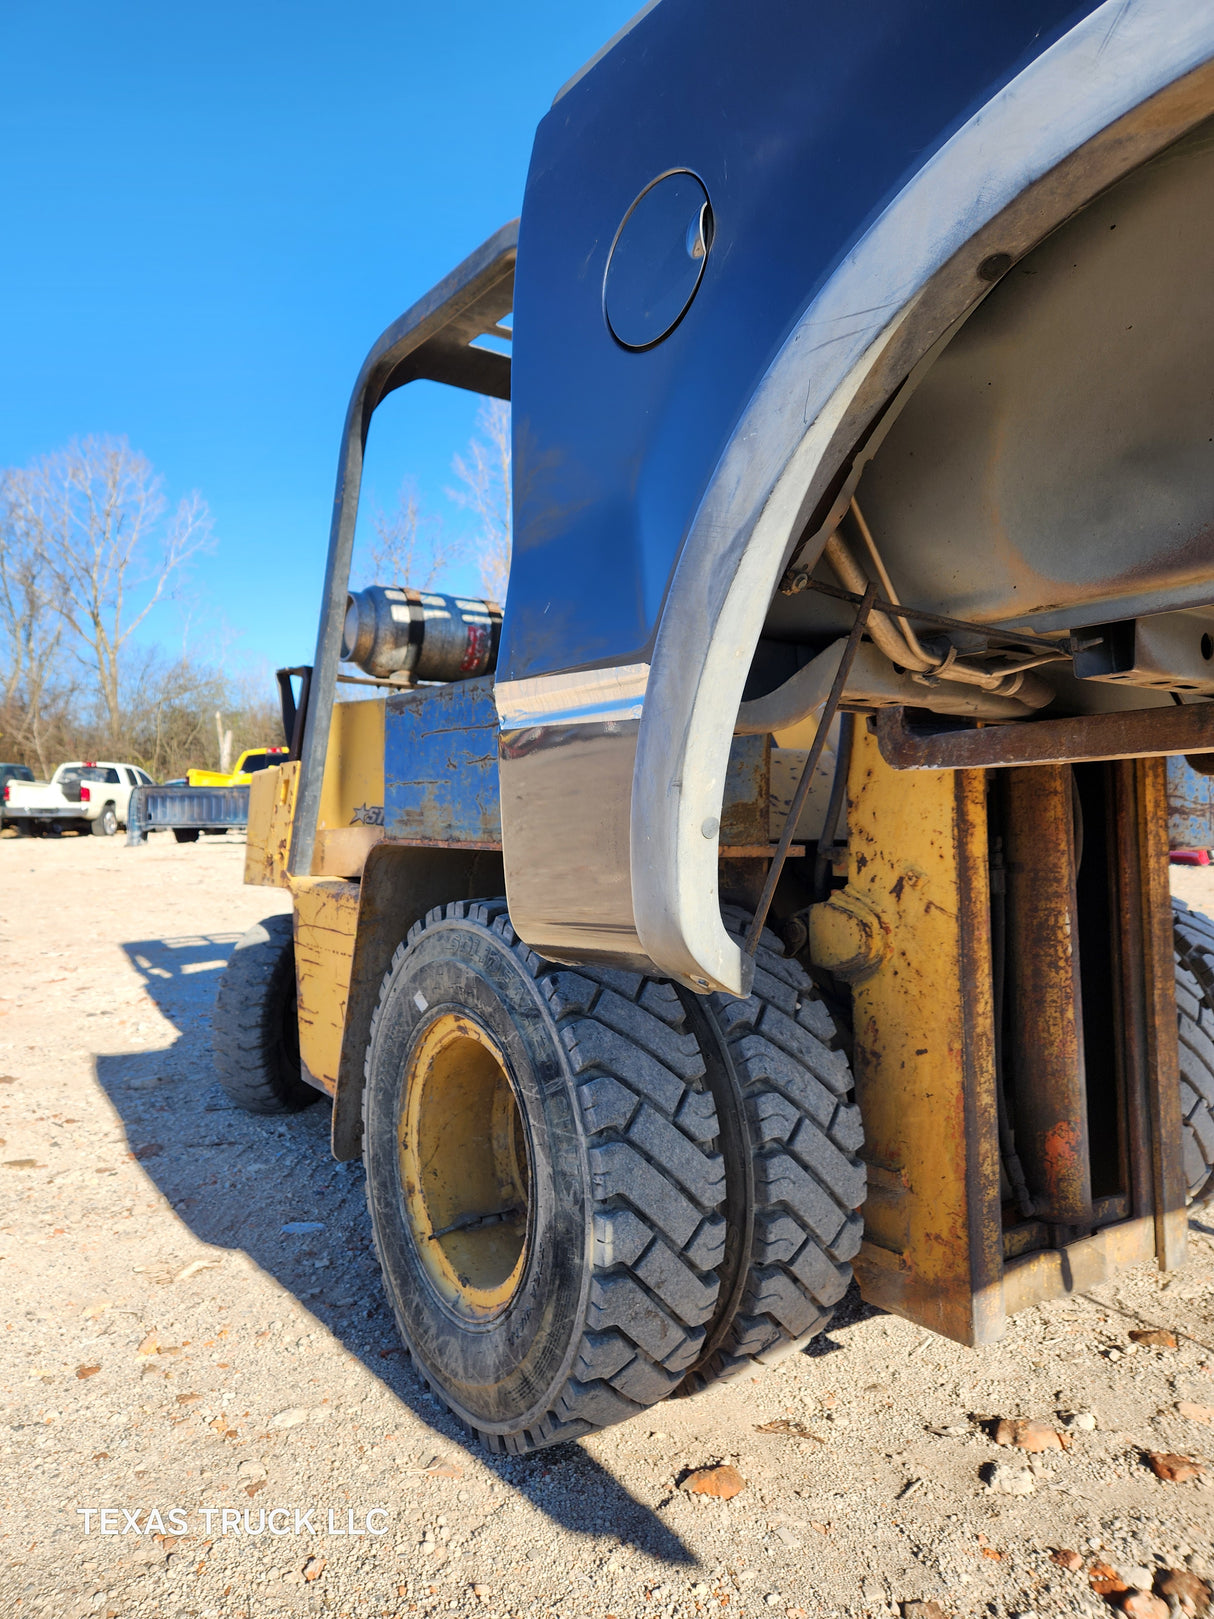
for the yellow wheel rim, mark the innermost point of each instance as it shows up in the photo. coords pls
(464, 1168)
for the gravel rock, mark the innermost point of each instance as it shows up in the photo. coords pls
(1027, 1433)
(1067, 1559)
(722, 1482)
(1183, 1586)
(1173, 1469)
(1142, 1605)
(290, 1418)
(1154, 1338)
(1079, 1421)
(1006, 1480)
(1105, 1580)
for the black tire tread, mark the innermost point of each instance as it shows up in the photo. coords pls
(804, 1133)
(246, 1040)
(97, 826)
(657, 1181)
(1193, 943)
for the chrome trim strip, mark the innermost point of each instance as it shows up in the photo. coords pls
(565, 839)
(583, 697)
(1023, 163)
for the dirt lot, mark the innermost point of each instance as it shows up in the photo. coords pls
(193, 1322)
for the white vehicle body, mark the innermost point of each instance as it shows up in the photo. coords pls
(92, 794)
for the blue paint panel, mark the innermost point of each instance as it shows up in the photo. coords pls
(440, 764)
(1190, 807)
(802, 121)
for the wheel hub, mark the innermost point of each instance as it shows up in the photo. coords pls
(464, 1167)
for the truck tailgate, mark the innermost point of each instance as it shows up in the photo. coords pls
(185, 807)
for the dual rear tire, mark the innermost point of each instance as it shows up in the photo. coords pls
(795, 1183)
(544, 1180)
(590, 1190)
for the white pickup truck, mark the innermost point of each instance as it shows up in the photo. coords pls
(86, 796)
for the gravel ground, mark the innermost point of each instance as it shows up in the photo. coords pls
(194, 1325)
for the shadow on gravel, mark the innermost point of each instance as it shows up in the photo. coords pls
(237, 1179)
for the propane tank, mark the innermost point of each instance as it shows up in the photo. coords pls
(398, 634)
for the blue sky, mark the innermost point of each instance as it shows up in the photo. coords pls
(211, 212)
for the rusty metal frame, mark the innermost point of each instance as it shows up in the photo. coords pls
(1148, 995)
(1043, 1058)
(1130, 734)
(1142, 1003)
(917, 892)
(825, 720)
(912, 933)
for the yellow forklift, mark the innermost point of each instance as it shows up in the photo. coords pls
(778, 891)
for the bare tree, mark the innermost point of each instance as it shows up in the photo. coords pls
(88, 545)
(112, 549)
(408, 547)
(171, 707)
(485, 476)
(34, 692)
(225, 743)
(168, 704)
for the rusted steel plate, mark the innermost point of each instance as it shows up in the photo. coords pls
(326, 914)
(1134, 734)
(271, 809)
(1043, 1055)
(441, 843)
(924, 1047)
(744, 807)
(1055, 1272)
(1190, 807)
(440, 765)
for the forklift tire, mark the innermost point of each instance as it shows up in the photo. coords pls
(255, 1040)
(791, 1133)
(186, 834)
(1193, 938)
(543, 1179)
